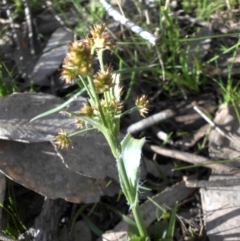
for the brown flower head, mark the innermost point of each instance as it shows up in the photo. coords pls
(69, 72)
(63, 140)
(80, 124)
(101, 37)
(86, 110)
(143, 105)
(113, 107)
(103, 80)
(78, 60)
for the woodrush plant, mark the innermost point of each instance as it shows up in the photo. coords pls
(104, 112)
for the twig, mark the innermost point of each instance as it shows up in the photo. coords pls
(150, 121)
(191, 158)
(125, 21)
(213, 183)
(235, 140)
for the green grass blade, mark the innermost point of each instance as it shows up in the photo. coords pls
(172, 222)
(60, 107)
(91, 225)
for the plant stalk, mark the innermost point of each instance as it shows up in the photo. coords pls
(130, 195)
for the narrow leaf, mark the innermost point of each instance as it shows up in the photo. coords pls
(60, 107)
(172, 222)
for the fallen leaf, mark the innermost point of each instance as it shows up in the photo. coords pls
(90, 156)
(221, 203)
(38, 167)
(18, 109)
(52, 57)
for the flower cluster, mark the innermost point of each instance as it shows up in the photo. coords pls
(101, 38)
(143, 105)
(103, 80)
(104, 91)
(63, 140)
(113, 107)
(78, 60)
(80, 53)
(80, 124)
(86, 110)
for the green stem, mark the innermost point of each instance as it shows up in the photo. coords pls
(81, 131)
(100, 58)
(130, 195)
(127, 112)
(139, 221)
(97, 101)
(86, 87)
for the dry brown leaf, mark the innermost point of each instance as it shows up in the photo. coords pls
(221, 204)
(18, 109)
(38, 167)
(220, 147)
(90, 156)
(52, 57)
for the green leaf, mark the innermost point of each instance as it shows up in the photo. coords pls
(77, 214)
(60, 107)
(161, 211)
(160, 230)
(131, 157)
(172, 222)
(131, 154)
(91, 225)
(132, 227)
(137, 239)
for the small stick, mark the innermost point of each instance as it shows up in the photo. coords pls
(228, 135)
(213, 183)
(150, 121)
(125, 21)
(191, 158)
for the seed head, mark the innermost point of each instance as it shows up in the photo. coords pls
(63, 140)
(143, 105)
(86, 110)
(80, 124)
(115, 106)
(101, 37)
(103, 80)
(78, 60)
(110, 107)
